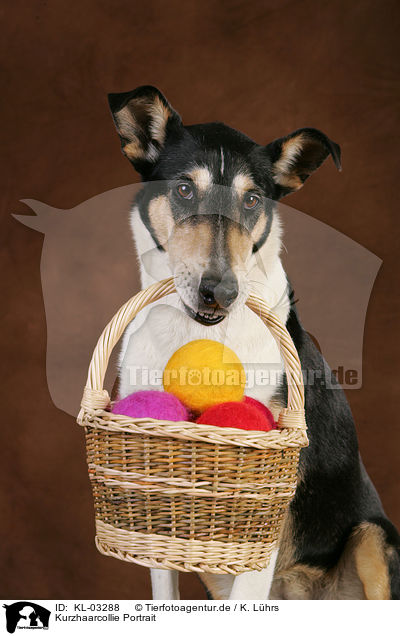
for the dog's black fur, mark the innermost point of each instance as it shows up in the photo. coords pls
(334, 494)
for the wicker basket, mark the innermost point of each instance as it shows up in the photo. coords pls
(186, 496)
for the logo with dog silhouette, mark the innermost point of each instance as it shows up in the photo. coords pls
(26, 615)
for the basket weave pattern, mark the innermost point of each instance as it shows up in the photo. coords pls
(187, 496)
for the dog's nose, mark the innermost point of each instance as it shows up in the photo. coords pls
(215, 291)
(206, 291)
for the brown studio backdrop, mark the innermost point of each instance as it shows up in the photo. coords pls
(266, 69)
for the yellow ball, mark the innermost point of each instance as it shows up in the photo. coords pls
(203, 373)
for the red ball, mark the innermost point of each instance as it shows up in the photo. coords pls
(262, 408)
(235, 415)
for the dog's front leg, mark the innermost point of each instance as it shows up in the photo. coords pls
(256, 584)
(219, 586)
(164, 584)
(248, 585)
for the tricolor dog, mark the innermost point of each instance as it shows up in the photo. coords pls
(206, 214)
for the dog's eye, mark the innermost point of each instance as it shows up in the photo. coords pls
(185, 190)
(251, 201)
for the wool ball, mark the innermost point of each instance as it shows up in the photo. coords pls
(262, 408)
(155, 404)
(203, 373)
(236, 415)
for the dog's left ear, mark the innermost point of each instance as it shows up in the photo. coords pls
(143, 118)
(296, 156)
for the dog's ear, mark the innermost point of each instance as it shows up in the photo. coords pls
(296, 156)
(143, 118)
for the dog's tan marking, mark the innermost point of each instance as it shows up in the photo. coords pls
(291, 148)
(127, 129)
(202, 178)
(371, 562)
(288, 181)
(361, 572)
(134, 150)
(191, 244)
(242, 182)
(299, 582)
(239, 245)
(129, 123)
(259, 228)
(159, 114)
(161, 218)
(304, 582)
(283, 167)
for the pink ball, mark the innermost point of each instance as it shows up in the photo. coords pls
(155, 404)
(262, 408)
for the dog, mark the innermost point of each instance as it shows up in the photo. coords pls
(206, 215)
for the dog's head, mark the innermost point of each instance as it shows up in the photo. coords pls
(211, 205)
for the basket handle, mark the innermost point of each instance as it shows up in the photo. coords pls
(96, 397)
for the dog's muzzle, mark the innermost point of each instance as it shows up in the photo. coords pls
(215, 296)
(215, 292)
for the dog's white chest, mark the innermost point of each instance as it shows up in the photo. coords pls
(162, 329)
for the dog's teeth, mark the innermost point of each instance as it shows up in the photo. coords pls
(204, 315)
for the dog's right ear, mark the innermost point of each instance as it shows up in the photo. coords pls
(143, 118)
